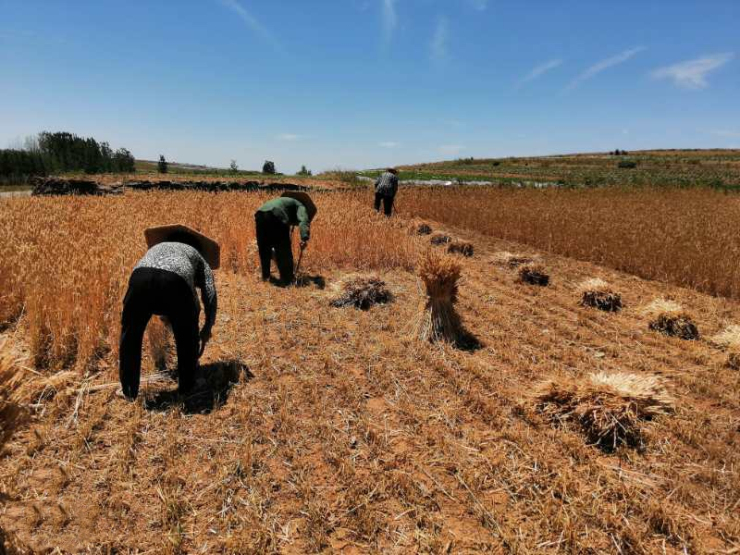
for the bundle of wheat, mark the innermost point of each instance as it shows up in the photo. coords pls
(441, 239)
(362, 292)
(461, 247)
(609, 409)
(669, 318)
(439, 321)
(596, 293)
(534, 274)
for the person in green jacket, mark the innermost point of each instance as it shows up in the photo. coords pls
(274, 221)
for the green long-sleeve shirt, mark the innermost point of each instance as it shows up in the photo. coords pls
(290, 212)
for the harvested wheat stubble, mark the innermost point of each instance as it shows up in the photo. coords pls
(609, 408)
(362, 292)
(439, 321)
(596, 293)
(440, 239)
(534, 274)
(669, 318)
(461, 247)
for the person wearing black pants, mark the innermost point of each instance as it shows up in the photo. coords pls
(386, 187)
(163, 283)
(152, 291)
(273, 234)
(387, 203)
(273, 221)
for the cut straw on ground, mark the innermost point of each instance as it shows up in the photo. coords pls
(610, 409)
(670, 319)
(362, 291)
(597, 293)
(534, 274)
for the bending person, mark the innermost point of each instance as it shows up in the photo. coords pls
(163, 282)
(273, 221)
(386, 187)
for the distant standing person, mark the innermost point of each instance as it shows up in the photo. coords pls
(273, 222)
(386, 187)
(163, 282)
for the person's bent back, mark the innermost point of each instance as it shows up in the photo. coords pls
(386, 187)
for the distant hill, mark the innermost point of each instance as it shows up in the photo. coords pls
(716, 168)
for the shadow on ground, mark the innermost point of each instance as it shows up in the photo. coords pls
(468, 342)
(213, 386)
(311, 281)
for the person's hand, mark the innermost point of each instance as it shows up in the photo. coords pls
(205, 335)
(304, 244)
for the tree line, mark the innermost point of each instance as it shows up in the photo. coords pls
(62, 152)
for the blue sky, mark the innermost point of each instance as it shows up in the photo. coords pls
(365, 83)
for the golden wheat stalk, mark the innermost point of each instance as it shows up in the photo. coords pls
(439, 321)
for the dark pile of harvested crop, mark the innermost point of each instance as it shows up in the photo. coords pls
(669, 318)
(534, 274)
(441, 239)
(609, 409)
(596, 293)
(362, 292)
(461, 247)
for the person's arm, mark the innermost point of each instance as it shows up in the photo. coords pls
(304, 223)
(394, 185)
(210, 301)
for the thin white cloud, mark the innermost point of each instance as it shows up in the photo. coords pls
(603, 65)
(289, 137)
(450, 149)
(251, 22)
(692, 74)
(390, 20)
(479, 5)
(389, 144)
(540, 70)
(438, 48)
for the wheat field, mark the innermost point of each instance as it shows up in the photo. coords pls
(327, 429)
(686, 237)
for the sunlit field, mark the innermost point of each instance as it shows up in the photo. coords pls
(687, 237)
(336, 429)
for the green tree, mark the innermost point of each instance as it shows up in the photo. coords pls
(233, 167)
(304, 171)
(268, 167)
(162, 166)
